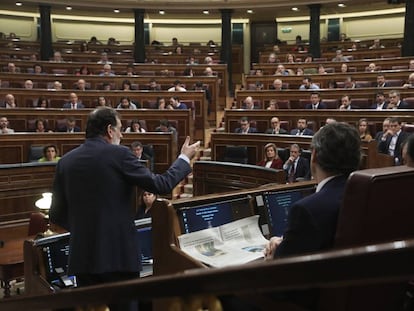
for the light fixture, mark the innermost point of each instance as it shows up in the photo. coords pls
(295, 9)
(249, 11)
(44, 204)
(116, 11)
(162, 12)
(206, 12)
(69, 8)
(342, 5)
(19, 3)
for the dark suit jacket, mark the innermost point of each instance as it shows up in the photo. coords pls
(302, 169)
(281, 131)
(320, 106)
(76, 129)
(403, 105)
(69, 106)
(250, 130)
(384, 145)
(374, 106)
(312, 221)
(92, 194)
(306, 131)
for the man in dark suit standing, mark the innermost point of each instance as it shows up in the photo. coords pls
(315, 102)
(92, 194)
(392, 140)
(296, 167)
(301, 128)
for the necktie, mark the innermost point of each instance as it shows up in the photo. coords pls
(73, 106)
(291, 176)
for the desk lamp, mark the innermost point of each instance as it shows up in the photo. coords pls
(44, 204)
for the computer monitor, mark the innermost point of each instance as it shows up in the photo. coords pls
(55, 253)
(277, 207)
(199, 217)
(144, 233)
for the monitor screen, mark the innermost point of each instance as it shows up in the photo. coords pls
(55, 252)
(215, 214)
(144, 232)
(277, 207)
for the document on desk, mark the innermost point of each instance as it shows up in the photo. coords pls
(235, 243)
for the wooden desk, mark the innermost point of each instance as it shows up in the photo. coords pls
(11, 263)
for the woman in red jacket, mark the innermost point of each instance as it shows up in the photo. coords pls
(272, 159)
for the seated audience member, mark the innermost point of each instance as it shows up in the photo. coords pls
(363, 130)
(385, 127)
(380, 102)
(371, 67)
(308, 85)
(102, 102)
(411, 64)
(308, 58)
(381, 81)
(9, 102)
(28, 84)
(84, 71)
(104, 59)
(57, 57)
(178, 50)
(300, 71)
(273, 105)
(290, 59)
(177, 87)
(126, 85)
(259, 72)
(349, 83)
(346, 103)
(208, 60)
(38, 69)
(245, 127)
(176, 104)
(94, 41)
(50, 154)
(281, 71)
(81, 85)
(330, 120)
(209, 72)
(339, 57)
(408, 151)
(277, 85)
(271, 159)
(392, 140)
(135, 127)
(315, 102)
(41, 126)
(42, 102)
(410, 83)
(275, 127)
(301, 128)
(11, 68)
(4, 126)
(332, 84)
(70, 126)
(344, 68)
(321, 70)
(107, 71)
(73, 103)
(57, 86)
(126, 103)
(395, 102)
(344, 38)
(165, 126)
(376, 45)
(154, 86)
(248, 103)
(130, 70)
(296, 167)
(162, 104)
(272, 59)
(138, 150)
(188, 72)
(144, 209)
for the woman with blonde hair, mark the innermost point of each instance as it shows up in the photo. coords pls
(271, 159)
(363, 130)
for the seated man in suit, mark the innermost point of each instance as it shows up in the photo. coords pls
(245, 127)
(70, 126)
(346, 103)
(307, 84)
(392, 140)
(301, 128)
(395, 102)
(315, 102)
(248, 103)
(381, 81)
(385, 127)
(275, 127)
(296, 167)
(380, 102)
(137, 149)
(73, 103)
